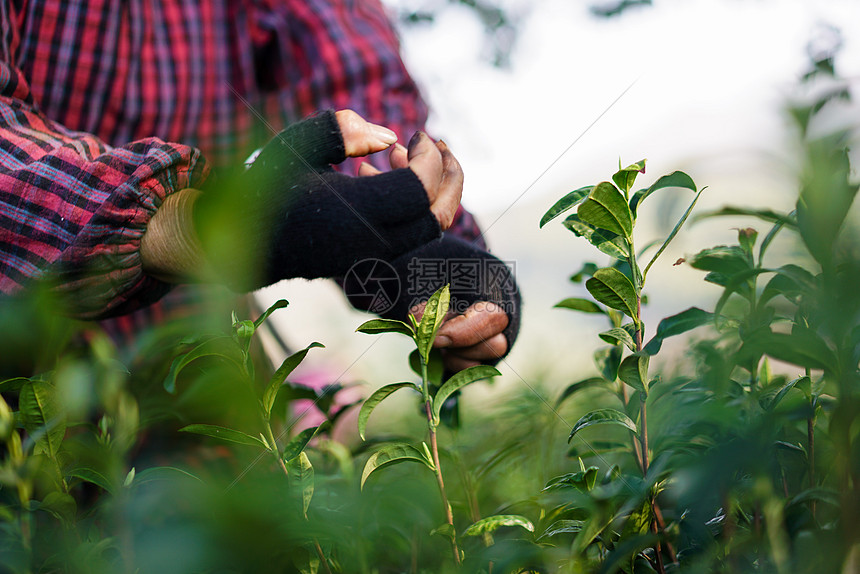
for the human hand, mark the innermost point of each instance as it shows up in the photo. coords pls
(471, 338)
(290, 215)
(437, 168)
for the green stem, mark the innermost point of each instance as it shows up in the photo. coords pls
(277, 454)
(434, 449)
(425, 381)
(657, 526)
(810, 448)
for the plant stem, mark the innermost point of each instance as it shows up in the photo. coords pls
(434, 449)
(643, 408)
(637, 447)
(657, 526)
(810, 446)
(644, 418)
(661, 523)
(322, 555)
(283, 466)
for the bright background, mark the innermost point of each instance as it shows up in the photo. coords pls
(696, 85)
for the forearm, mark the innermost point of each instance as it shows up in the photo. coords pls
(170, 249)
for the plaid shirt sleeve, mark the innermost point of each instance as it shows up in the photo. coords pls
(72, 208)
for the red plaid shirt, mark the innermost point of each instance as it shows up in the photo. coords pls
(93, 93)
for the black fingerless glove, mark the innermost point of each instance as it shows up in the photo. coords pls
(473, 274)
(290, 215)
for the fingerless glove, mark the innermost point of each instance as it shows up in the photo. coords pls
(290, 215)
(473, 274)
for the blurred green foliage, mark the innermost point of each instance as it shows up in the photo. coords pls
(743, 456)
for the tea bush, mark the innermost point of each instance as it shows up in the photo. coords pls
(743, 457)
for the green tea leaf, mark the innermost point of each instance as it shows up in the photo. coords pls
(224, 434)
(619, 335)
(819, 494)
(302, 477)
(828, 189)
(747, 237)
(584, 480)
(61, 505)
(790, 281)
(672, 235)
(377, 397)
(446, 531)
(603, 416)
(728, 261)
(674, 179)
(592, 528)
(93, 477)
(222, 348)
(157, 473)
(803, 347)
(768, 239)
(378, 326)
(677, 324)
(634, 371)
(14, 384)
(587, 270)
(580, 304)
(297, 446)
(741, 283)
(563, 527)
(770, 405)
(627, 551)
(458, 381)
(394, 454)
(608, 360)
(434, 315)
(609, 243)
(244, 330)
(570, 200)
(492, 523)
(787, 219)
(607, 209)
(612, 288)
(129, 478)
(624, 178)
(579, 386)
(42, 417)
(284, 371)
(279, 304)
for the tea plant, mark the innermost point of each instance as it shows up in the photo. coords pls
(736, 477)
(292, 459)
(606, 216)
(66, 436)
(423, 333)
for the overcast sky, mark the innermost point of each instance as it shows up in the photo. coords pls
(705, 81)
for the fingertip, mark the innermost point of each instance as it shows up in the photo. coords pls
(384, 136)
(365, 169)
(398, 156)
(417, 143)
(414, 140)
